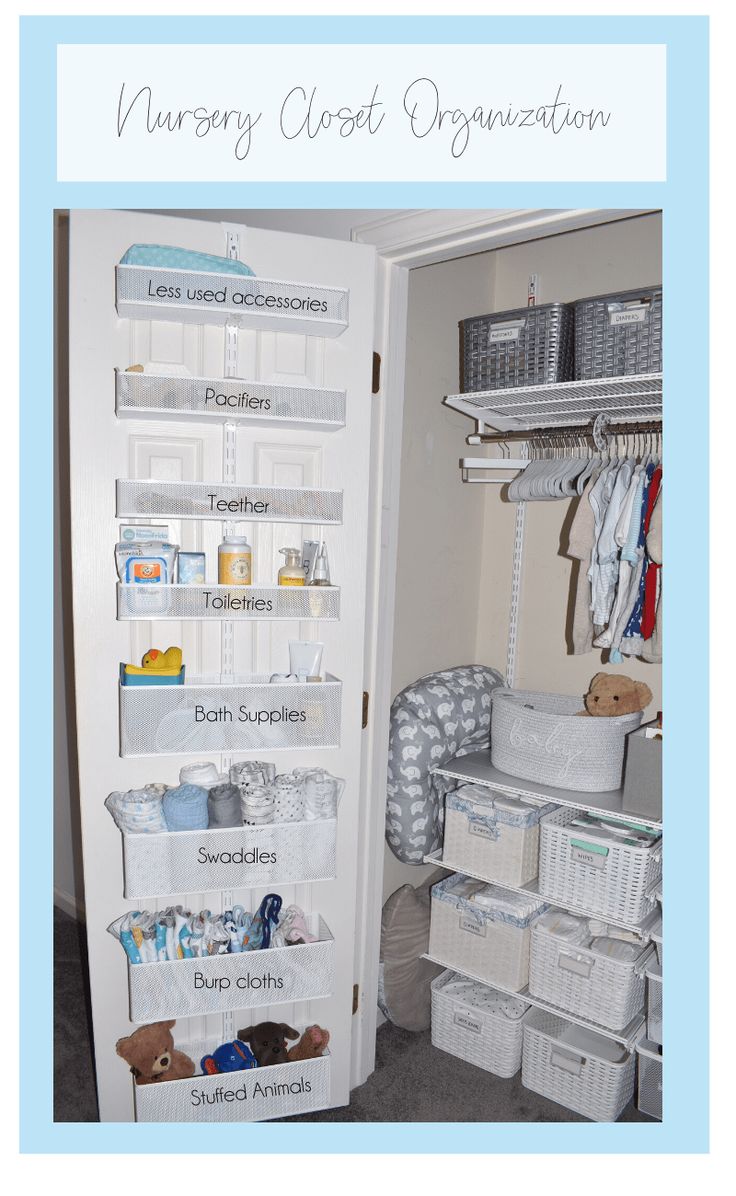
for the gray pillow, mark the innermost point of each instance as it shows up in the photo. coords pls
(404, 989)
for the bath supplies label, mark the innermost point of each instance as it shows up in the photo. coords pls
(260, 1090)
(592, 857)
(482, 831)
(468, 1023)
(632, 315)
(473, 927)
(269, 718)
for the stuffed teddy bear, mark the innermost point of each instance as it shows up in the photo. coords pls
(152, 1056)
(267, 1040)
(611, 694)
(311, 1045)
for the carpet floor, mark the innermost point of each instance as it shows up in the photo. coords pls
(413, 1081)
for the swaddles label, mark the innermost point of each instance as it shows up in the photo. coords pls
(253, 855)
(632, 315)
(472, 926)
(468, 1023)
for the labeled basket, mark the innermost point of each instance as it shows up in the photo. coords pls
(489, 944)
(649, 1099)
(654, 1003)
(528, 346)
(539, 737)
(612, 881)
(477, 1023)
(492, 835)
(576, 1067)
(607, 991)
(619, 334)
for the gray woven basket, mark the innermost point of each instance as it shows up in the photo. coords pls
(528, 346)
(538, 737)
(619, 334)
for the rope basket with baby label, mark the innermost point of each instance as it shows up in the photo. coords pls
(549, 738)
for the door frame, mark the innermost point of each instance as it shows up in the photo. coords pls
(405, 241)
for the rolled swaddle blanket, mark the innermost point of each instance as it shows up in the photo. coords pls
(202, 772)
(256, 804)
(223, 803)
(137, 812)
(185, 808)
(288, 799)
(252, 772)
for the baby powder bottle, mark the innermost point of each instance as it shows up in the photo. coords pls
(292, 573)
(234, 562)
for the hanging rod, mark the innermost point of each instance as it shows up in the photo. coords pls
(549, 432)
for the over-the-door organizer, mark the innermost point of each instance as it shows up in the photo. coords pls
(233, 713)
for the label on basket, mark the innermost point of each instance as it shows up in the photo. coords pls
(472, 926)
(251, 1089)
(265, 981)
(468, 1023)
(630, 315)
(505, 332)
(478, 828)
(588, 853)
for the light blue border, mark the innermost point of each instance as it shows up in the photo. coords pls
(684, 199)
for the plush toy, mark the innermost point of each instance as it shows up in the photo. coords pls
(231, 1056)
(268, 1041)
(311, 1045)
(611, 694)
(152, 1056)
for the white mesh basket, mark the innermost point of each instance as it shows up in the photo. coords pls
(248, 714)
(611, 881)
(466, 1022)
(216, 860)
(228, 602)
(654, 1003)
(649, 1099)
(136, 497)
(277, 975)
(607, 991)
(236, 400)
(539, 737)
(577, 1068)
(477, 840)
(259, 1094)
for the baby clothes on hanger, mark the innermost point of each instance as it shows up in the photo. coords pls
(581, 540)
(652, 650)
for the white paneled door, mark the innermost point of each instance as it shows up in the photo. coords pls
(175, 449)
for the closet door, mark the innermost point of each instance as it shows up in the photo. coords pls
(106, 448)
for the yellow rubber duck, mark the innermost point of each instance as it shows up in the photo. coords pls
(166, 664)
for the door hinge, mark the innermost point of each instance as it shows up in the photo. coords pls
(376, 383)
(356, 996)
(366, 699)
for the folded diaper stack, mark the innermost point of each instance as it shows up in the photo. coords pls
(185, 808)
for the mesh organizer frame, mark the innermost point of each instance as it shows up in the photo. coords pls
(136, 602)
(305, 972)
(651, 1066)
(654, 1003)
(172, 1100)
(168, 863)
(159, 720)
(189, 500)
(133, 300)
(166, 396)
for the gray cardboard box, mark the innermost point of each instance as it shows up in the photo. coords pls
(643, 775)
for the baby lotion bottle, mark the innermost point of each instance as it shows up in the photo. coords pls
(292, 573)
(234, 562)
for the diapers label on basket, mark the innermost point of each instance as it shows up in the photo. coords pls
(468, 1023)
(478, 828)
(630, 315)
(472, 926)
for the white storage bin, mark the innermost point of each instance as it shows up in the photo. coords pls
(203, 601)
(654, 1003)
(258, 1094)
(274, 976)
(605, 990)
(140, 497)
(606, 879)
(649, 1098)
(539, 737)
(492, 835)
(489, 944)
(232, 858)
(576, 1067)
(477, 1024)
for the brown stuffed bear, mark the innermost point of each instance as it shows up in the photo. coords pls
(267, 1040)
(152, 1056)
(311, 1045)
(611, 694)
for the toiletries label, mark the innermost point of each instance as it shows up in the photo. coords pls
(468, 1023)
(473, 927)
(630, 315)
(482, 831)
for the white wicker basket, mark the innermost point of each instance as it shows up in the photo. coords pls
(255, 1095)
(576, 1067)
(489, 946)
(491, 835)
(468, 1021)
(649, 1098)
(611, 881)
(607, 991)
(187, 987)
(539, 737)
(654, 1003)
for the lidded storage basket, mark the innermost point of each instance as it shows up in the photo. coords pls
(582, 870)
(576, 1067)
(477, 1023)
(528, 346)
(487, 941)
(492, 835)
(538, 737)
(619, 334)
